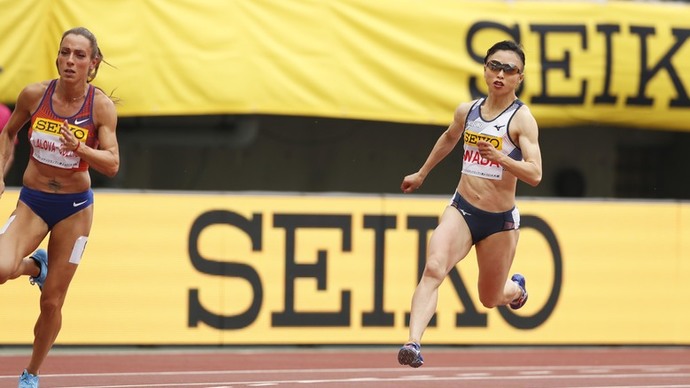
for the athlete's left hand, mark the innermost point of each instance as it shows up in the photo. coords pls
(488, 152)
(69, 141)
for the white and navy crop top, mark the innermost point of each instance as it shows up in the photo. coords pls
(495, 132)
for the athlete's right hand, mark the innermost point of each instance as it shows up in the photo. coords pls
(411, 182)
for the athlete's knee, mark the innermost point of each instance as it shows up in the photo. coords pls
(435, 268)
(51, 304)
(490, 301)
(6, 272)
(489, 304)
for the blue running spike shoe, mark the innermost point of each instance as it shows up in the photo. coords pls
(27, 380)
(41, 259)
(519, 302)
(411, 354)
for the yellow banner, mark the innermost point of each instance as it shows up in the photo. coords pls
(325, 269)
(394, 60)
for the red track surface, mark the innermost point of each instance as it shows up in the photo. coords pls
(360, 367)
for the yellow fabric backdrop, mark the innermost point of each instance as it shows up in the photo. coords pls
(599, 272)
(396, 60)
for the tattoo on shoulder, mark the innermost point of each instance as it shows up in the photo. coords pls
(54, 185)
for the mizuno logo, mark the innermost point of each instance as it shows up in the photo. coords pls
(464, 213)
(82, 121)
(77, 204)
(498, 127)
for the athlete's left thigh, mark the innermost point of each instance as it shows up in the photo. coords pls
(65, 247)
(494, 257)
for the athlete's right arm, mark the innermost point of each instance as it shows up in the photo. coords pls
(444, 145)
(26, 103)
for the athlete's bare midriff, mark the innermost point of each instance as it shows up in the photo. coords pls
(50, 179)
(488, 194)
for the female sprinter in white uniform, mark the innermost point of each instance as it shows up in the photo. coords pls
(500, 146)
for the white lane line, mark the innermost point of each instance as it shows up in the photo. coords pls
(464, 369)
(382, 380)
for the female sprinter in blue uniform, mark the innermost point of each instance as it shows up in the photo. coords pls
(500, 146)
(71, 128)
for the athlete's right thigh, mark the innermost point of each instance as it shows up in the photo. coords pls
(20, 234)
(450, 242)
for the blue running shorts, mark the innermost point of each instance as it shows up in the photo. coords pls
(53, 208)
(482, 223)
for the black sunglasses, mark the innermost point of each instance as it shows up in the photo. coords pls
(508, 68)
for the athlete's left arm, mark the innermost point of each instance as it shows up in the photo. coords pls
(529, 169)
(106, 158)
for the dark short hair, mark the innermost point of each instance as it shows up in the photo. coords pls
(506, 45)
